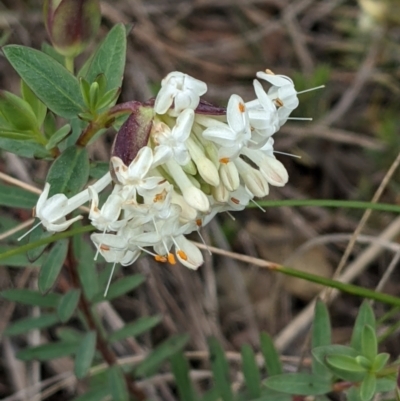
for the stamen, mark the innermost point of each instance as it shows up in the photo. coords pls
(311, 89)
(181, 254)
(231, 216)
(300, 118)
(235, 201)
(269, 72)
(159, 258)
(29, 231)
(242, 107)
(224, 160)
(204, 242)
(104, 247)
(171, 259)
(287, 154)
(261, 208)
(199, 223)
(109, 280)
(278, 102)
(156, 256)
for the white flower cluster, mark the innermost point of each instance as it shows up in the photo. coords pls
(200, 160)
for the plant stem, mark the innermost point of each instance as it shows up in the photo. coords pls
(102, 346)
(69, 64)
(105, 119)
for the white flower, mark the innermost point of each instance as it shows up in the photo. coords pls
(115, 249)
(52, 211)
(106, 218)
(263, 116)
(234, 136)
(171, 143)
(134, 177)
(282, 93)
(182, 90)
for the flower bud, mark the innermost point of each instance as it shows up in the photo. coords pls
(133, 134)
(71, 24)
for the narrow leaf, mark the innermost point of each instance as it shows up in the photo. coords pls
(251, 372)
(369, 343)
(84, 254)
(365, 316)
(47, 351)
(17, 197)
(52, 265)
(31, 323)
(28, 149)
(31, 297)
(120, 287)
(136, 328)
(169, 347)
(180, 369)
(37, 106)
(367, 388)
(85, 354)
(220, 369)
(117, 385)
(58, 136)
(344, 362)
(57, 88)
(37, 234)
(70, 172)
(270, 354)
(68, 304)
(299, 384)
(109, 58)
(321, 336)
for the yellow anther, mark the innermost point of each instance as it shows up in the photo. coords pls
(224, 160)
(236, 201)
(171, 259)
(160, 258)
(181, 254)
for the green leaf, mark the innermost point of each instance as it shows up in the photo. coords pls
(344, 362)
(70, 172)
(58, 136)
(120, 287)
(109, 58)
(299, 384)
(84, 254)
(17, 197)
(38, 107)
(31, 297)
(367, 388)
(169, 347)
(98, 169)
(53, 53)
(56, 87)
(365, 316)
(17, 135)
(48, 351)
(31, 323)
(369, 343)
(68, 304)
(220, 369)
(117, 385)
(353, 394)
(69, 335)
(28, 149)
(271, 356)
(180, 369)
(380, 361)
(321, 336)
(140, 326)
(85, 354)
(95, 394)
(322, 353)
(385, 384)
(37, 234)
(251, 372)
(52, 265)
(17, 112)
